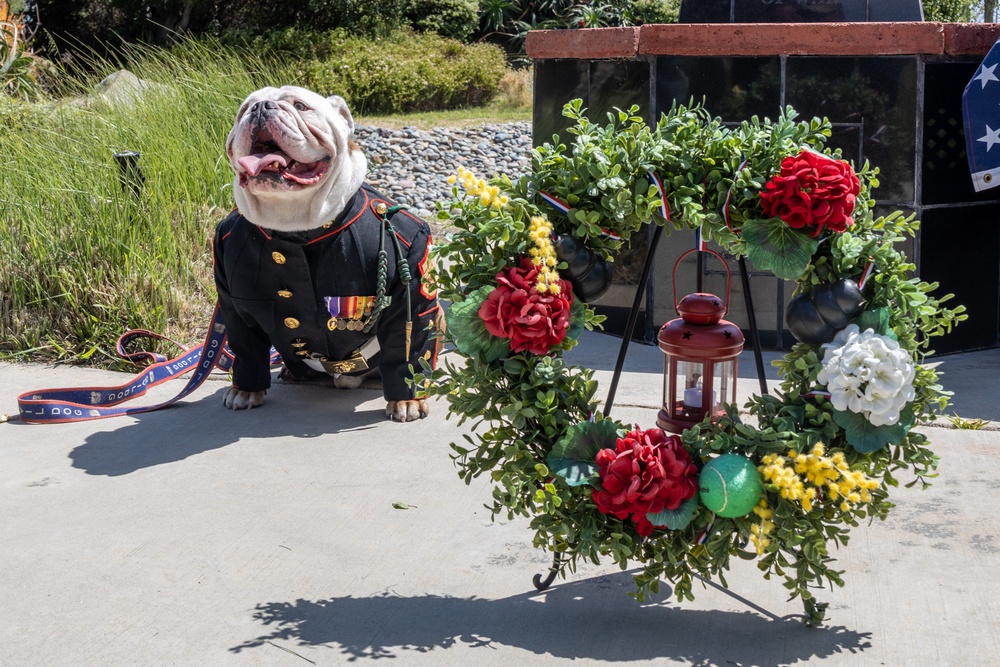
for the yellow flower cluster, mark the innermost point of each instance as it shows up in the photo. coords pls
(543, 255)
(827, 474)
(759, 532)
(489, 195)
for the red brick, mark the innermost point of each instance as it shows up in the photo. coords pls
(970, 38)
(587, 43)
(822, 39)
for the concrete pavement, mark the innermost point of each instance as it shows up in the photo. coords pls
(199, 536)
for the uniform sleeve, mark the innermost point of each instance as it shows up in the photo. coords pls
(248, 342)
(425, 317)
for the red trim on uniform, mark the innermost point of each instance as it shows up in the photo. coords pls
(429, 310)
(226, 235)
(346, 224)
(262, 231)
(376, 202)
(422, 266)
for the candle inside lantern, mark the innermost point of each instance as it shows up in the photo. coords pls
(693, 397)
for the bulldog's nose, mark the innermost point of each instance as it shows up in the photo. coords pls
(261, 110)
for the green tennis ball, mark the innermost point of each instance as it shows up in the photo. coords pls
(730, 485)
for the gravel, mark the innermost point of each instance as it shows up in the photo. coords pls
(411, 166)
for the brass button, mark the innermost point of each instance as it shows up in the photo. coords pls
(381, 208)
(291, 323)
(278, 257)
(284, 294)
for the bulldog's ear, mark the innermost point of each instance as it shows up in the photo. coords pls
(340, 106)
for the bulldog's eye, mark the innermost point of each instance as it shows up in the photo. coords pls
(300, 106)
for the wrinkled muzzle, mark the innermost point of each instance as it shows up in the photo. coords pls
(268, 161)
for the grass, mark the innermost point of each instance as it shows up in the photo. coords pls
(426, 120)
(512, 104)
(84, 260)
(968, 424)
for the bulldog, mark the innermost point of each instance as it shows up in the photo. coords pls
(315, 262)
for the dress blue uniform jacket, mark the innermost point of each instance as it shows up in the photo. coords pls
(272, 287)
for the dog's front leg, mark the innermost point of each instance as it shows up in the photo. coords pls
(407, 411)
(237, 399)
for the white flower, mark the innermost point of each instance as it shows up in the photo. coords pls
(869, 374)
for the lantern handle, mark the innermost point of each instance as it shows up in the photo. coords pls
(729, 276)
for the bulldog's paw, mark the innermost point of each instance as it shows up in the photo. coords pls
(407, 411)
(235, 399)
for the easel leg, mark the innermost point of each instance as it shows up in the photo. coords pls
(632, 317)
(542, 584)
(752, 323)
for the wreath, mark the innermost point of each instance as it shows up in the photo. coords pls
(806, 464)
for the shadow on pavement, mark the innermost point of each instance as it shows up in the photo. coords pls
(567, 621)
(187, 429)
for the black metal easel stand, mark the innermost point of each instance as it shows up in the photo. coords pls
(542, 584)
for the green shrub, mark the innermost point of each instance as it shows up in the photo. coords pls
(456, 19)
(298, 43)
(953, 11)
(358, 16)
(362, 17)
(409, 72)
(655, 11)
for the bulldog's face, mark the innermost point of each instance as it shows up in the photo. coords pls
(295, 164)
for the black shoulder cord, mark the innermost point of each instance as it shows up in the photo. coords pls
(382, 300)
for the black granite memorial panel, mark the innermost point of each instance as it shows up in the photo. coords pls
(799, 11)
(603, 85)
(556, 83)
(872, 105)
(618, 84)
(732, 88)
(706, 11)
(895, 10)
(945, 178)
(960, 249)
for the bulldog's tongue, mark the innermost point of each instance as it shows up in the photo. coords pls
(254, 164)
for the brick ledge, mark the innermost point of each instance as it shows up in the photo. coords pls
(757, 39)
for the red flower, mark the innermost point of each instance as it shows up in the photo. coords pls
(647, 472)
(533, 321)
(812, 190)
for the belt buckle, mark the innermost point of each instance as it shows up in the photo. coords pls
(357, 362)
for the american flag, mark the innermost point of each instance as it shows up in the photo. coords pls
(981, 111)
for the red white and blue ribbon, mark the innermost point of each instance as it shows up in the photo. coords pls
(55, 406)
(563, 207)
(817, 393)
(554, 202)
(705, 534)
(664, 209)
(869, 268)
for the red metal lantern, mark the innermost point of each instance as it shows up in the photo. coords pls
(702, 349)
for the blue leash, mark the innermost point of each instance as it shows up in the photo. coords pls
(59, 406)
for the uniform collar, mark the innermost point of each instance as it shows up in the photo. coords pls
(310, 235)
